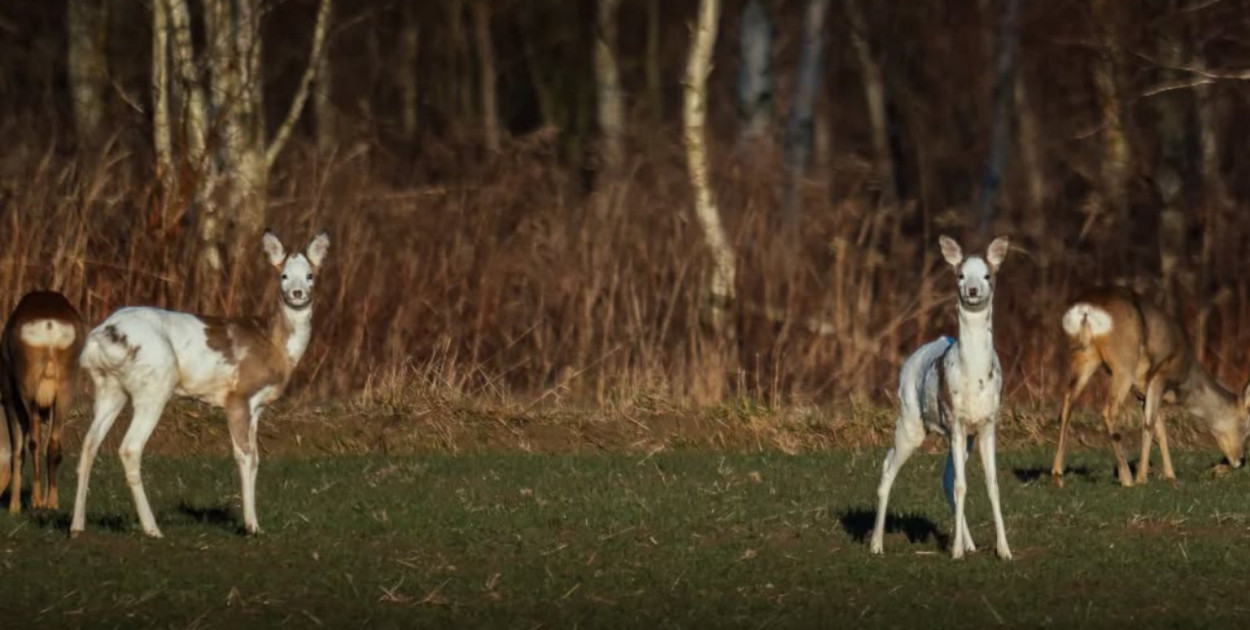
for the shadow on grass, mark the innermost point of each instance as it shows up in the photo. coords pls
(1029, 475)
(216, 516)
(858, 523)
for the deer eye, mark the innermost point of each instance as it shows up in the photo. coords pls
(987, 276)
(284, 276)
(961, 277)
(309, 277)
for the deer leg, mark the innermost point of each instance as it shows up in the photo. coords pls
(246, 456)
(959, 454)
(948, 487)
(1161, 432)
(6, 453)
(990, 464)
(1150, 416)
(38, 451)
(908, 435)
(109, 401)
(17, 442)
(1120, 387)
(1084, 364)
(148, 410)
(55, 425)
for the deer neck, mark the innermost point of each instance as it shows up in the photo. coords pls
(291, 328)
(1205, 397)
(976, 341)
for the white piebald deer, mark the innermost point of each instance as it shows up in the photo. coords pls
(1146, 350)
(953, 387)
(240, 364)
(38, 369)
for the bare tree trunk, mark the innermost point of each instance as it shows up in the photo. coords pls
(1115, 156)
(232, 28)
(698, 67)
(87, 65)
(755, 79)
(486, 65)
(807, 87)
(323, 101)
(1030, 156)
(1004, 89)
(608, 82)
(160, 97)
(409, 49)
(874, 94)
(655, 81)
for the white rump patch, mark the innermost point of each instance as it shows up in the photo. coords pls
(1098, 319)
(48, 333)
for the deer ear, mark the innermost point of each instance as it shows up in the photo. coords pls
(273, 248)
(997, 252)
(951, 251)
(318, 248)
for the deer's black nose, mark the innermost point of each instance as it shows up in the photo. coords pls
(298, 294)
(972, 291)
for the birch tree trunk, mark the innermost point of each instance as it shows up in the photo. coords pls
(608, 83)
(694, 114)
(87, 65)
(161, 142)
(243, 159)
(486, 73)
(874, 95)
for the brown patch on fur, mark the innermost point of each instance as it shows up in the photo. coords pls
(257, 348)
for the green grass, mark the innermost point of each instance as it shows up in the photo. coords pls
(670, 541)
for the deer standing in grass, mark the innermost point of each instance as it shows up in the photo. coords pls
(953, 387)
(1145, 350)
(240, 364)
(38, 368)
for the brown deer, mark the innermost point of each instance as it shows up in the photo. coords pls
(1147, 351)
(38, 367)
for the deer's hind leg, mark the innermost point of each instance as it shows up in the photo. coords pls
(1121, 385)
(1084, 362)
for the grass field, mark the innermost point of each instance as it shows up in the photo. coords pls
(677, 539)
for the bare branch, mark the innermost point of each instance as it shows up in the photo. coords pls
(301, 95)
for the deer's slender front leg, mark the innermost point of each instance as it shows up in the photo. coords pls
(989, 463)
(959, 454)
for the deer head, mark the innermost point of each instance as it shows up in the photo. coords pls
(299, 270)
(975, 275)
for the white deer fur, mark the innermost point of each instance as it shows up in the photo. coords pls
(953, 387)
(149, 355)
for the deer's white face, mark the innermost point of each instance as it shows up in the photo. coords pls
(976, 283)
(974, 274)
(299, 270)
(296, 283)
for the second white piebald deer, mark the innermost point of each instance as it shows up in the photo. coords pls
(148, 355)
(953, 387)
(1146, 350)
